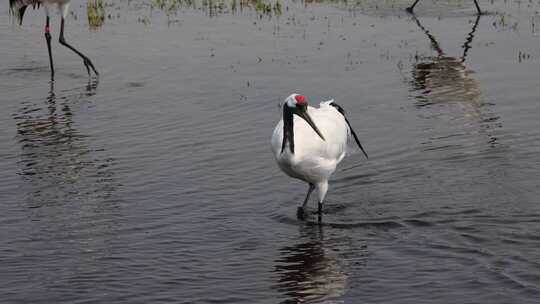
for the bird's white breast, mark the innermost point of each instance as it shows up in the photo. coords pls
(314, 160)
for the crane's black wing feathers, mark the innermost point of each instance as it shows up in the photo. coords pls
(342, 111)
(18, 7)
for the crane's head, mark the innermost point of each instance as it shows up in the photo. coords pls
(297, 104)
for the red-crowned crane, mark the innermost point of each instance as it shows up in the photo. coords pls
(18, 7)
(308, 143)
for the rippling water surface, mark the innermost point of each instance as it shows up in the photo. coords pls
(156, 184)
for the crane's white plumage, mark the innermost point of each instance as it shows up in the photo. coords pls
(313, 157)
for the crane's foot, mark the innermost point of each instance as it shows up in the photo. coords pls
(409, 10)
(88, 64)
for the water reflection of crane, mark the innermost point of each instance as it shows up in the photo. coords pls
(309, 272)
(410, 9)
(446, 79)
(69, 188)
(55, 160)
(442, 77)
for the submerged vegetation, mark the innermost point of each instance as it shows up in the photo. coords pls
(96, 13)
(267, 8)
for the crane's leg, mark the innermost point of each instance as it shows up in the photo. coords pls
(322, 188)
(87, 63)
(477, 7)
(411, 8)
(300, 210)
(48, 39)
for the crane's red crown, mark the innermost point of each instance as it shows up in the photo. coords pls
(300, 99)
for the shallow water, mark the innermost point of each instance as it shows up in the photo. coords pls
(156, 182)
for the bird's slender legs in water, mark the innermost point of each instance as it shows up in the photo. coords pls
(477, 7)
(48, 39)
(300, 211)
(87, 63)
(322, 188)
(411, 8)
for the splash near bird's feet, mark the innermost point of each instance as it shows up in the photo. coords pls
(301, 213)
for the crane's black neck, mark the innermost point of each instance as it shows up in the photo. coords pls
(288, 129)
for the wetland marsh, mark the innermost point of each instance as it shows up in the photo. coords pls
(155, 183)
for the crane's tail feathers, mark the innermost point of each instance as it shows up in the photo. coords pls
(342, 111)
(327, 103)
(18, 7)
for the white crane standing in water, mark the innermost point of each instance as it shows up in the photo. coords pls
(308, 143)
(18, 7)
(411, 8)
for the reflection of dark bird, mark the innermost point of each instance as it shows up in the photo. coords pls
(18, 7)
(55, 159)
(445, 77)
(411, 8)
(309, 272)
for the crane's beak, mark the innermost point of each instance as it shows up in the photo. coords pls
(302, 112)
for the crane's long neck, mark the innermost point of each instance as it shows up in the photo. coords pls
(288, 129)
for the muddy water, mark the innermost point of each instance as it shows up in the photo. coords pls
(156, 183)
